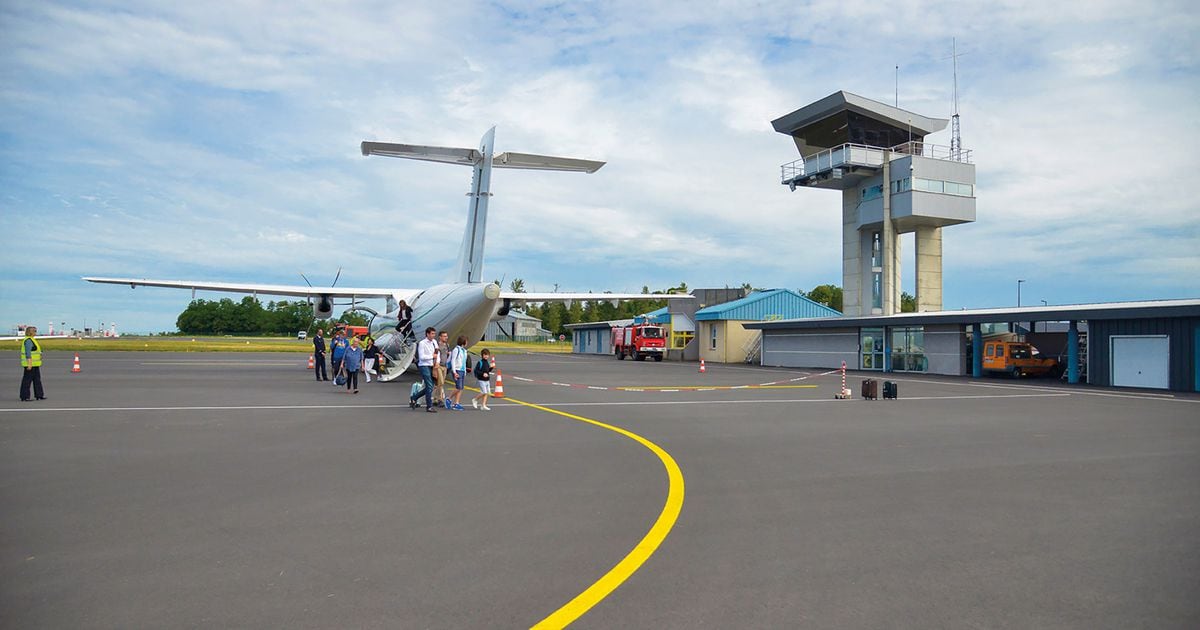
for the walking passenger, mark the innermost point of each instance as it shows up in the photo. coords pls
(458, 371)
(370, 355)
(483, 376)
(404, 317)
(427, 357)
(439, 370)
(338, 350)
(352, 362)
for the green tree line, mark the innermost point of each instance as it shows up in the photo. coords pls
(249, 317)
(556, 315)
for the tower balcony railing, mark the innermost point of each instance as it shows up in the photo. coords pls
(865, 155)
(935, 151)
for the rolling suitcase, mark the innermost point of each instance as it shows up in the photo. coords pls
(890, 389)
(870, 389)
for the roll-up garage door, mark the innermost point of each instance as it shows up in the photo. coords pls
(1141, 361)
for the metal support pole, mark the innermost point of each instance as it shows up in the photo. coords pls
(977, 350)
(887, 349)
(1073, 352)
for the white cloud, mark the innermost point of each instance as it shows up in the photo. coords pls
(165, 134)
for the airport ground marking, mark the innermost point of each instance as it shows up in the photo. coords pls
(707, 388)
(791, 401)
(201, 408)
(783, 383)
(646, 547)
(227, 363)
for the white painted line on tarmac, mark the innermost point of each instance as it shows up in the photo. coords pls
(1039, 388)
(790, 400)
(228, 363)
(198, 408)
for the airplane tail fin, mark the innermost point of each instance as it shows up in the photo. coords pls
(470, 255)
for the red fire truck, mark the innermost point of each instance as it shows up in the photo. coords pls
(639, 341)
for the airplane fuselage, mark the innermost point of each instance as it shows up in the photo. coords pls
(460, 309)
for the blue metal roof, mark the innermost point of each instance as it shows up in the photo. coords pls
(659, 316)
(770, 305)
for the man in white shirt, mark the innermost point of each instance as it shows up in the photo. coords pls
(427, 357)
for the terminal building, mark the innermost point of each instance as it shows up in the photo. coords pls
(893, 182)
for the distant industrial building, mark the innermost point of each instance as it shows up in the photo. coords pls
(677, 318)
(722, 337)
(516, 326)
(594, 337)
(1127, 344)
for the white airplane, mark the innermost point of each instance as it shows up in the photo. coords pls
(463, 306)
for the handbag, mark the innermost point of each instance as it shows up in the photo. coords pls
(340, 379)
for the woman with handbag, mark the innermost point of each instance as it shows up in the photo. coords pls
(352, 362)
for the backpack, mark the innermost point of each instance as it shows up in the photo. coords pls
(480, 372)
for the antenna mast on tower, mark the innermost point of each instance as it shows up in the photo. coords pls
(955, 130)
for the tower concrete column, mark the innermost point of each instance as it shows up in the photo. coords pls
(891, 245)
(929, 268)
(856, 296)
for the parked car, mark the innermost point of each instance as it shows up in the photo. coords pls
(302, 335)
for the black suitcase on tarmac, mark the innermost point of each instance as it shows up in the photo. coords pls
(870, 389)
(890, 389)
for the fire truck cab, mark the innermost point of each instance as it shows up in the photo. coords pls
(639, 341)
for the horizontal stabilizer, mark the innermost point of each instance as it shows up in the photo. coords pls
(531, 161)
(446, 155)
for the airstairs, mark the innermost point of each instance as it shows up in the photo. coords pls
(399, 351)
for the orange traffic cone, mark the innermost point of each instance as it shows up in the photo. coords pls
(702, 368)
(311, 364)
(499, 393)
(76, 368)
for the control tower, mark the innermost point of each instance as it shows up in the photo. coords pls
(892, 183)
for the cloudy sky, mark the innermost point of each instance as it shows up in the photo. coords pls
(184, 141)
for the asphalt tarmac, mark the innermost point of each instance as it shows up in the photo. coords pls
(232, 490)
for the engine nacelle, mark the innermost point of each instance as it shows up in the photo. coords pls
(323, 309)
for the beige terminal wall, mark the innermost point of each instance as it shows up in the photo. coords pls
(732, 341)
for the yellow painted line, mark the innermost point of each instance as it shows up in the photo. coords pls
(656, 388)
(649, 543)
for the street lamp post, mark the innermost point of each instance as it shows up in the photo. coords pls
(1019, 293)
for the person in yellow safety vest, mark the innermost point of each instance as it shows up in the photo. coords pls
(31, 361)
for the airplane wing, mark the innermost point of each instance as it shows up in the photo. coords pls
(602, 297)
(40, 338)
(265, 289)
